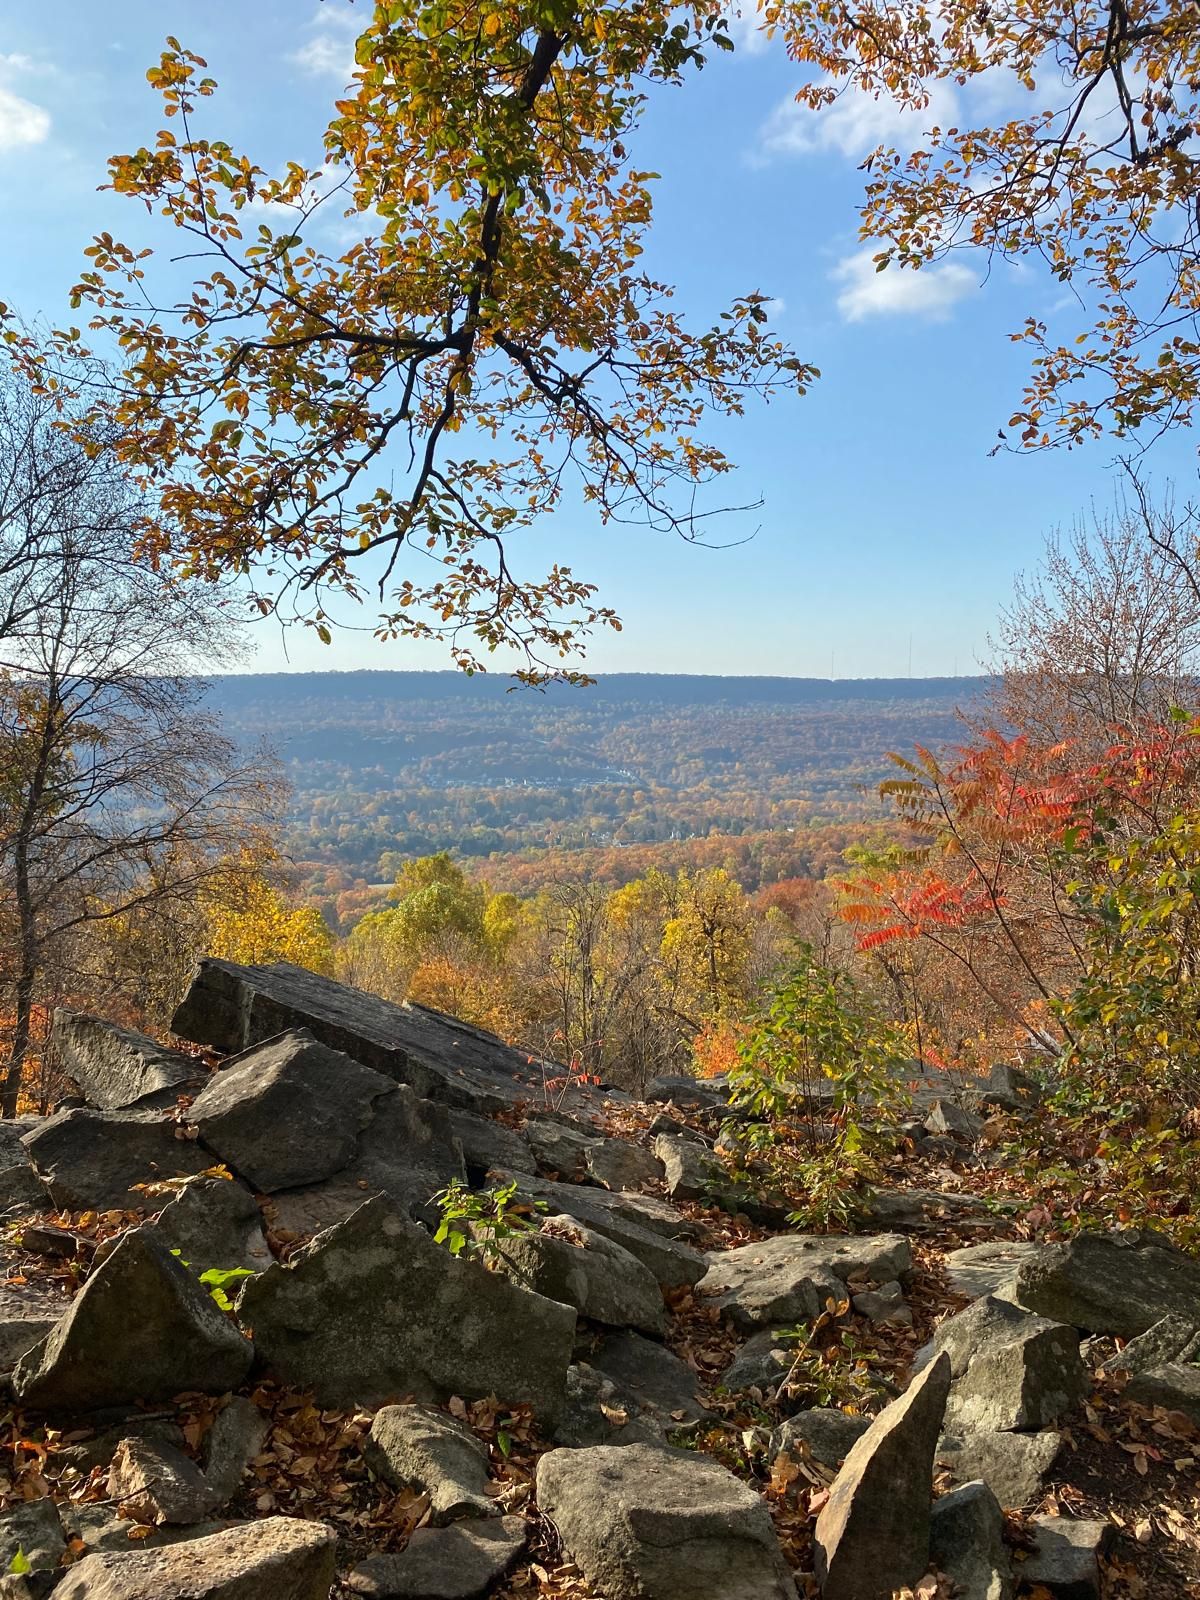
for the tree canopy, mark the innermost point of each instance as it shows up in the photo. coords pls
(486, 352)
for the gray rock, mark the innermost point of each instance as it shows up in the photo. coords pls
(373, 1309)
(662, 1122)
(214, 1223)
(788, 1279)
(91, 1160)
(824, 1433)
(422, 1448)
(618, 1165)
(761, 1363)
(19, 1334)
(990, 1268)
(925, 1209)
(946, 1117)
(558, 1148)
(84, 1454)
(872, 1536)
(488, 1144)
(1172, 1338)
(232, 1007)
(1175, 1385)
(574, 1264)
(645, 1521)
(1067, 1558)
(692, 1172)
(409, 1150)
(113, 1067)
(33, 1529)
(21, 1190)
(649, 1229)
(1119, 1283)
(287, 1112)
(282, 1557)
(456, 1563)
(158, 1483)
(651, 1382)
(238, 1433)
(99, 1527)
(141, 1329)
(690, 1094)
(598, 1411)
(1012, 1465)
(885, 1304)
(1026, 1384)
(987, 1324)
(966, 1542)
(1010, 1089)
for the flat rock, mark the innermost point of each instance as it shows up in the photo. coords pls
(649, 1229)
(872, 1536)
(1067, 1558)
(91, 1160)
(21, 1189)
(689, 1094)
(1175, 1385)
(574, 1264)
(966, 1542)
(232, 1007)
(425, 1449)
(946, 1117)
(141, 1329)
(157, 1483)
(598, 1411)
(213, 1222)
(1013, 1465)
(460, 1562)
(373, 1309)
(646, 1521)
(1118, 1283)
(280, 1557)
(558, 1148)
(114, 1067)
(761, 1363)
(979, 1269)
(287, 1112)
(788, 1279)
(651, 1381)
(824, 1434)
(988, 1323)
(923, 1210)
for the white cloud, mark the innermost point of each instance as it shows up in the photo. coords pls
(854, 124)
(928, 292)
(745, 26)
(21, 122)
(330, 51)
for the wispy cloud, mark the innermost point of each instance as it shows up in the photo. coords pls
(745, 26)
(330, 51)
(853, 125)
(929, 292)
(21, 121)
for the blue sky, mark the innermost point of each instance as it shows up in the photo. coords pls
(885, 519)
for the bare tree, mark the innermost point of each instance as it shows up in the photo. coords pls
(1104, 638)
(117, 790)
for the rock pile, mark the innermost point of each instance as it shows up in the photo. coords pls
(295, 1182)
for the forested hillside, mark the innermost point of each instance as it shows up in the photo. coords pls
(386, 765)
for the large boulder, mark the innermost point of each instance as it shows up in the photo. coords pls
(94, 1160)
(651, 1383)
(1026, 1383)
(232, 1007)
(141, 1329)
(287, 1112)
(649, 1523)
(872, 1536)
(691, 1171)
(422, 1448)
(572, 1263)
(1013, 1465)
(114, 1067)
(1118, 1283)
(280, 1556)
(789, 1279)
(1175, 1386)
(1065, 1561)
(373, 1309)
